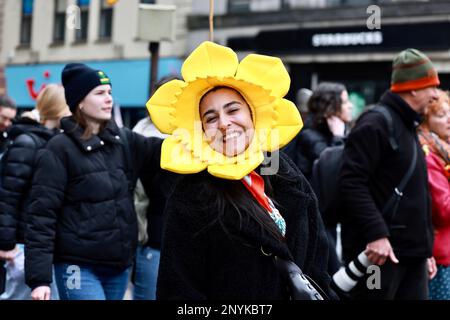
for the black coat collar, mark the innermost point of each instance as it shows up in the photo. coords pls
(410, 117)
(110, 134)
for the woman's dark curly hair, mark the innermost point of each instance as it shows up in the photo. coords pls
(325, 101)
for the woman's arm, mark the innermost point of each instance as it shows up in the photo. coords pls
(440, 191)
(46, 200)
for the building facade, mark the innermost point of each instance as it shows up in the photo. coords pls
(350, 41)
(41, 36)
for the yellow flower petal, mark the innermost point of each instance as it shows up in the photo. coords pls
(265, 117)
(268, 72)
(175, 158)
(288, 125)
(187, 114)
(161, 105)
(210, 60)
(236, 171)
(262, 81)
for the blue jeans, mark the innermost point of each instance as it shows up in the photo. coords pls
(439, 286)
(90, 282)
(146, 273)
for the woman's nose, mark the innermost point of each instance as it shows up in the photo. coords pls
(224, 123)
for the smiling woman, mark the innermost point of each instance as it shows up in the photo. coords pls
(228, 215)
(226, 120)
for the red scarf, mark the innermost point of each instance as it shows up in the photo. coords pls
(255, 184)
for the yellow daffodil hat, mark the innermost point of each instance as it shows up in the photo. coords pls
(262, 80)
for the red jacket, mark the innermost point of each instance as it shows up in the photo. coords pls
(440, 195)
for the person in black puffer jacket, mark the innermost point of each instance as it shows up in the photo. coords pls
(81, 213)
(28, 137)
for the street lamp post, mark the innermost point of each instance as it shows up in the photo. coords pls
(153, 47)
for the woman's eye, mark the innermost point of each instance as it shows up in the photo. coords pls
(209, 120)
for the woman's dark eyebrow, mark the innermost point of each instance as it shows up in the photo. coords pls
(208, 112)
(227, 105)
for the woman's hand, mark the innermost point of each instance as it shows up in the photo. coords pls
(336, 126)
(41, 293)
(8, 255)
(432, 268)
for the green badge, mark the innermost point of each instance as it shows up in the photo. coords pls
(103, 78)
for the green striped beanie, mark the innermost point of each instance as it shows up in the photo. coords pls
(412, 70)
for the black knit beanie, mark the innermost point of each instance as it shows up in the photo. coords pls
(78, 80)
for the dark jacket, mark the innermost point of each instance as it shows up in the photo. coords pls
(370, 172)
(199, 260)
(27, 137)
(81, 205)
(308, 145)
(3, 141)
(161, 186)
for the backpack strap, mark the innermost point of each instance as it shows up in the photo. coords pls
(387, 115)
(391, 206)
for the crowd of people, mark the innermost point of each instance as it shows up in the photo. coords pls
(221, 192)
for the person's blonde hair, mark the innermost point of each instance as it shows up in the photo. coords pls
(51, 103)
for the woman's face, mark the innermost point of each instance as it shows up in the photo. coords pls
(98, 103)
(346, 108)
(227, 121)
(439, 122)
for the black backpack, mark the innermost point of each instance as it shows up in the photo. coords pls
(326, 168)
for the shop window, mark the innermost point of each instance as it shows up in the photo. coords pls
(106, 14)
(26, 21)
(81, 34)
(59, 21)
(237, 6)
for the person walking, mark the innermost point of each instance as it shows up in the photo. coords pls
(81, 213)
(383, 184)
(27, 137)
